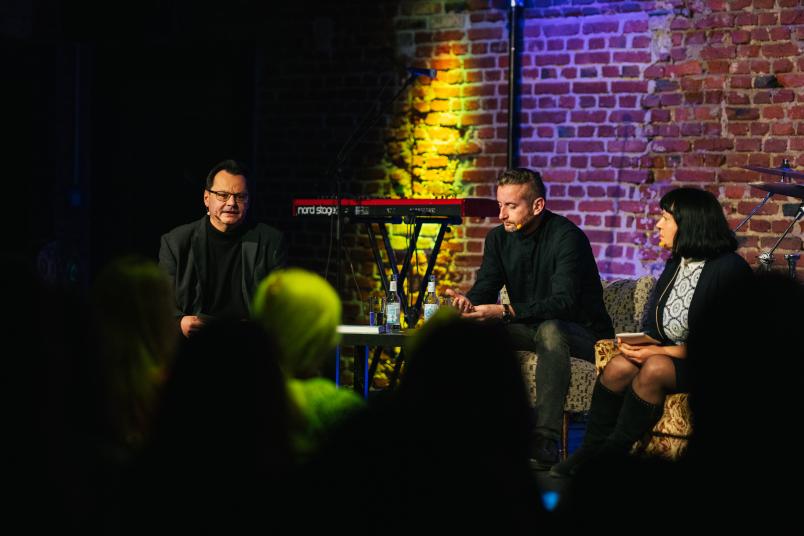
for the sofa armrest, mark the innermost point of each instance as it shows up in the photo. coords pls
(605, 349)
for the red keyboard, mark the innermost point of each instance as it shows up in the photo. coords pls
(394, 208)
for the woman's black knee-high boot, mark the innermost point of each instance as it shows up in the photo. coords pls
(637, 417)
(603, 415)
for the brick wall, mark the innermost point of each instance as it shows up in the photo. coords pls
(620, 101)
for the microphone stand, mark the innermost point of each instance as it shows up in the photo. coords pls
(366, 123)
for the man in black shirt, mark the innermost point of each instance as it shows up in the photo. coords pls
(547, 266)
(217, 262)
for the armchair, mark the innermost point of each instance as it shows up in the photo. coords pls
(625, 301)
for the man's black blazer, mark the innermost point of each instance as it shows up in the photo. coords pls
(183, 255)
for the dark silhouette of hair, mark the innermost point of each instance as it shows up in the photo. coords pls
(135, 337)
(748, 377)
(230, 166)
(449, 446)
(220, 445)
(524, 176)
(703, 232)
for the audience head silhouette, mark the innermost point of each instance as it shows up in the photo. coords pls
(301, 311)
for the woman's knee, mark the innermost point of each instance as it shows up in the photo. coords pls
(619, 369)
(657, 372)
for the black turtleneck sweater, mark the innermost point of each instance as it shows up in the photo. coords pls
(550, 274)
(223, 296)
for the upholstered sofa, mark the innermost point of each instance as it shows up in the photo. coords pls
(625, 301)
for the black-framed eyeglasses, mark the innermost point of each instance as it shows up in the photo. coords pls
(223, 197)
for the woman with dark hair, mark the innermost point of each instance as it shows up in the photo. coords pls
(628, 398)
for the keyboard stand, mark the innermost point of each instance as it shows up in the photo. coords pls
(411, 312)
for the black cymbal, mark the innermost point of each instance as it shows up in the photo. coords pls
(782, 188)
(781, 171)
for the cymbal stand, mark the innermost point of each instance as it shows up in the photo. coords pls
(756, 208)
(785, 179)
(766, 258)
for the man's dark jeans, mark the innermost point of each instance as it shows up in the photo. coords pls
(554, 341)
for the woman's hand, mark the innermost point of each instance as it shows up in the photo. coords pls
(638, 353)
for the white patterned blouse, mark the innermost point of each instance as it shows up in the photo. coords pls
(675, 318)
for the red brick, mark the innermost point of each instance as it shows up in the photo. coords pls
(782, 66)
(595, 206)
(447, 35)
(577, 146)
(759, 128)
(736, 175)
(768, 19)
(775, 145)
(791, 80)
(773, 112)
(716, 144)
(785, 129)
(629, 87)
(634, 56)
(601, 26)
(537, 146)
(479, 175)
(586, 58)
(685, 69)
(597, 175)
(658, 116)
(778, 50)
(671, 145)
(635, 26)
(623, 116)
(629, 146)
(680, 23)
(738, 129)
(606, 101)
(589, 87)
(695, 175)
(548, 117)
(721, 67)
(596, 43)
(748, 51)
(480, 48)
(551, 59)
(740, 37)
(575, 44)
(561, 204)
(481, 62)
(640, 41)
(653, 72)
(583, 116)
(559, 30)
(748, 144)
(560, 88)
(742, 114)
(559, 175)
(791, 17)
(718, 52)
(482, 34)
(770, 209)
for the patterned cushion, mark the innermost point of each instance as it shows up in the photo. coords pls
(582, 381)
(625, 301)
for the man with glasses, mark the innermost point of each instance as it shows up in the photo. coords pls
(217, 262)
